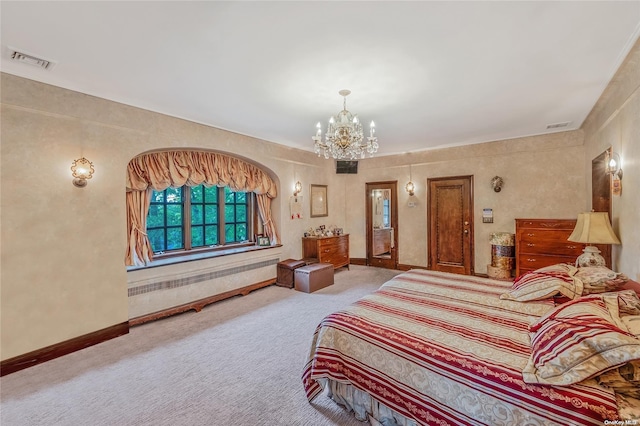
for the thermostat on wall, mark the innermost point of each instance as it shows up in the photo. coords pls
(487, 215)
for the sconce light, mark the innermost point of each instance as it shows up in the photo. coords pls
(410, 187)
(496, 183)
(298, 188)
(82, 170)
(612, 164)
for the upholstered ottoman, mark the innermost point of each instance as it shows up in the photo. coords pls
(313, 277)
(285, 271)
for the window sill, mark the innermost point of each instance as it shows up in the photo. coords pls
(199, 256)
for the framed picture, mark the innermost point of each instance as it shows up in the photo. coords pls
(318, 198)
(264, 241)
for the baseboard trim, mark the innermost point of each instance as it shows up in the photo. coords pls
(197, 305)
(57, 350)
(405, 267)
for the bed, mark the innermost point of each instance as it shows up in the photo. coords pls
(431, 348)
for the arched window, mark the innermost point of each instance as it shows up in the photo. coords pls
(186, 200)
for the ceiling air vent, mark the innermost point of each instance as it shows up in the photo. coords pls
(558, 125)
(31, 60)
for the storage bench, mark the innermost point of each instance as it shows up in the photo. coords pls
(313, 277)
(285, 271)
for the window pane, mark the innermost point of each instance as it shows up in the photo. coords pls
(210, 214)
(241, 213)
(229, 195)
(241, 197)
(211, 195)
(241, 232)
(229, 213)
(211, 235)
(196, 194)
(174, 195)
(196, 214)
(156, 216)
(156, 237)
(197, 236)
(230, 233)
(157, 197)
(174, 238)
(174, 214)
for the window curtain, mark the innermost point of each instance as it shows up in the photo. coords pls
(160, 170)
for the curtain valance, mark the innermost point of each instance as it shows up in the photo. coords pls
(160, 170)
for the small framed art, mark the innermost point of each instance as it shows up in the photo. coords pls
(264, 241)
(318, 197)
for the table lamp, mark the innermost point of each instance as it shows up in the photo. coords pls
(593, 228)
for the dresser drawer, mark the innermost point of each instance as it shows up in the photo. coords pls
(550, 246)
(548, 224)
(536, 261)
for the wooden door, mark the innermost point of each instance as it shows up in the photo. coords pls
(450, 210)
(601, 196)
(382, 224)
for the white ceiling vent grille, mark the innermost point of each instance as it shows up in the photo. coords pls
(558, 125)
(26, 58)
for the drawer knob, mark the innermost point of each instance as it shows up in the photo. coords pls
(571, 247)
(530, 244)
(531, 260)
(530, 234)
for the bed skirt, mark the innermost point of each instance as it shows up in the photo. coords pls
(364, 407)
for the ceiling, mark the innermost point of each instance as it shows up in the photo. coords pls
(431, 74)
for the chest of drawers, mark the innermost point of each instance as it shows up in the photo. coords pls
(334, 250)
(543, 242)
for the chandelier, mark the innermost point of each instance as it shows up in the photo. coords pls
(344, 136)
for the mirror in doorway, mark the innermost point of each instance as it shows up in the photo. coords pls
(382, 230)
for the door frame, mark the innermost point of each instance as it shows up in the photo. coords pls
(601, 196)
(469, 260)
(391, 263)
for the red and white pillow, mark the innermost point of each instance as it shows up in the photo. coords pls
(565, 280)
(544, 283)
(579, 340)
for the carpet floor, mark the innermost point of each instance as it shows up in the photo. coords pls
(237, 362)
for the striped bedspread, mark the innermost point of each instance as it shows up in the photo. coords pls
(443, 349)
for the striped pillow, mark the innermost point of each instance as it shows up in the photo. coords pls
(579, 340)
(544, 283)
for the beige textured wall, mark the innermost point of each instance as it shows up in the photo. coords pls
(615, 122)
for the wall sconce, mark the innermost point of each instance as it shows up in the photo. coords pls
(410, 187)
(496, 183)
(82, 170)
(298, 188)
(612, 164)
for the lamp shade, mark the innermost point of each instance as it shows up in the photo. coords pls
(593, 228)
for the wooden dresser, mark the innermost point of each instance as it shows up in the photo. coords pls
(543, 242)
(334, 250)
